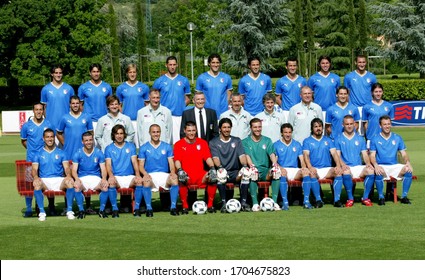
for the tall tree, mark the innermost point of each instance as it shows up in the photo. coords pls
(299, 33)
(402, 26)
(310, 38)
(115, 48)
(352, 31)
(362, 25)
(142, 43)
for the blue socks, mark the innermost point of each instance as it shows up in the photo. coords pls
(113, 198)
(70, 194)
(407, 182)
(39, 199)
(79, 198)
(379, 181)
(315, 187)
(103, 199)
(348, 184)
(368, 185)
(222, 191)
(147, 193)
(337, 185)
(283, 187)
(174, 193)
(306, 189)
(138, 195)
(28, 203)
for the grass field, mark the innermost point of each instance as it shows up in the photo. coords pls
(394, 231)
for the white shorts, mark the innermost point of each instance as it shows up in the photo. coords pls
(53, 184)
(392, 171)
(124, 181)
(291, 172)
(159, 179)
(90, 182)
(176, 128)
(357, 170)
(322, 172)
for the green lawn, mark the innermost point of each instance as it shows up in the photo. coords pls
(394, 231)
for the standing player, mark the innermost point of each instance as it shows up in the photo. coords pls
(260, 156)
(229, 157)
(301, 114)
(190, 154)
(324, 84)
(133, 94)
(48, 168)
(108, 121)
(56, 96)
(384, 148)
(253, 86)
(154, 113)
(89, 172)
(270, 118)
(122, 169)
(336, 113)
(374, 110)
(360, 82)
(216, 85)
(239, 117)
(175, 92)
(72, 126)
(317, 150)
(289, 153)
(94, 93)
(350, 146)
(32, 140)
(288, 87)
(156, 164)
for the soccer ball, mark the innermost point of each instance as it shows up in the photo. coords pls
(199, 207)
(267, 204)
(233, 206)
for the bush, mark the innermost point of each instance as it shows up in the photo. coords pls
(404, 89)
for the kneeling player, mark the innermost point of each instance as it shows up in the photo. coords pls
(89, 172)
(48, 168)
(190, 153)
(156, 164)
(122, 168)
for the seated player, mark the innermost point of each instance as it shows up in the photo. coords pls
(122, 168)
(48, 168)
(229, 157)
(384, 149)
(89, 172)
(317, 150)
(156, 164)
(289, 152)
(350, 146)
(190, 154)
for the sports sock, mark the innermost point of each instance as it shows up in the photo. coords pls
(147, 195)
(253, 189)
(88, 202)
(52, 203)
(407, 182)
(222, 191)
(348, 184)
(112, 191)
(306, 185)
(275, 189)
(183, 191)
(79, 198)
(174, 193)
(39, 199)
(70, 194)
(368, 185)
(337, 185)
(103, 198)
(211, 190)
(283, 186)
(315, 187)
(28, 203)
(379, 182)
(244, 193)
(138, 196)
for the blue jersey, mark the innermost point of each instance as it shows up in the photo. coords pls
(33, 134)
(371, 114)
(133, 97)
(156, 159)
(335, 116)
(173, 92)
(288, 155)
(57, 101)
(360, 87)
(387, 149)
(320, 155)
(351, 148)
(215, 90)
(324, 89)
(89, 164)
(73, 128)
(253, 91)
(94, 97)
(121, 158)
(289, 90)
(50, 164)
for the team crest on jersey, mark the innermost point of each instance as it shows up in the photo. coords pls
(233, 145)
(139, 89)
(127, 150)
(294, 149)
(95, 160)
(198, 147)
(264, 146)
(163, 152)
(368, 80)
(221, 80)
(179, 83)
(56, 156)
(65, 91)
(104, 89)
(386, 109)
(84, 121)
(350, 112)
(356, 143)
(300, 85)
(326, 143)
(332, 80)
(393, 142)
(262, 83)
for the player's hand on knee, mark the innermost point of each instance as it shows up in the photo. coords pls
(212, 175)
(182, 176)
(222, 175)
(112, 181)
